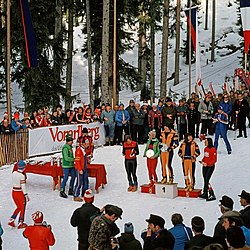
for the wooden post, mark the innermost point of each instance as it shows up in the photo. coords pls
(114, 57)
(8, 62)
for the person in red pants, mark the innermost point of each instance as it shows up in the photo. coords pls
(19, 195)
(152, 153)
(40, 234)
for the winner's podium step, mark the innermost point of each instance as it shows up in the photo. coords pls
(191, 194)
(148, 189)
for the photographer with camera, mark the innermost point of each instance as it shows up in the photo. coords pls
(40, 234)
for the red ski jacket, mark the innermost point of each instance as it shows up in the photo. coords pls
(210, 156)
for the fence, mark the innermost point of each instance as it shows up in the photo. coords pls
(13, 147)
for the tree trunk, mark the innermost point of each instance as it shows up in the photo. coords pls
(206, 16)
(97, 77)
(91, 99)
(213, 31)
(187, 41)
(105, 52)
(68, 98)
(164, 50)
(152, 52)
(58, 43)
(177, 44)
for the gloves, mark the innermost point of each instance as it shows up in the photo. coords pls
(169, 149)
(27, 199)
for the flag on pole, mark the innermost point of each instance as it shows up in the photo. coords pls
(245, 19)
(192, 21)
(29, 35)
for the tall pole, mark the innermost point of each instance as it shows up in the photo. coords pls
(213, 32)
(245, 66)
(177, 44)
(8, 62)
(189, 51)
(206, 15)
(114, 57)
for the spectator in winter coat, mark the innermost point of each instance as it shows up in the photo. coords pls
(1, 233)
(5, 128)
(122, 123)
(68, 167)
(245, 203)
(168, 113)
(145, 109)
(208, 166)
(16, 123)
(152, 144)
(169, 141)
(39, 119)
(189, 151)
(181, 116)
(157, 236)
(127, 239)
(234, 219)
(206, 109)
(226, 204)
(221, 122)
(193, 119)
(81, 219)
(108, 116)
(181, 233)
(130, 150)
(138, 124)
(226, 104)
(199, 239)
(130, 109)
(155, 120)
(241, 109)
(100, 230)
(40, 235)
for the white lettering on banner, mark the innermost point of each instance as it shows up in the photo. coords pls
(47, 140)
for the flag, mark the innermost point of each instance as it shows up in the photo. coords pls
(29, 35)
(245, 19)
(192, 21)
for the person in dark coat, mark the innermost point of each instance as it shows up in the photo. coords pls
(138, 124)
(81, 219)
(226, 204)
(241, 109)
(199, 239)
(157, 236)
(127, 240)
(168, 114)
(245, 212)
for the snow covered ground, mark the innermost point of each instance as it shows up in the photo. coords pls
(231, 176)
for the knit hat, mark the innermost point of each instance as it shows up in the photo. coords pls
(37, 217)
(21, 165)
(88, 196)
(128, 227)
(198, 224)
(227, 202)
(220, 108)
(168, 99)
(85, 130)
(68, 138)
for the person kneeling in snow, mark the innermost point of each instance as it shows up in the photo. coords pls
(40, 235)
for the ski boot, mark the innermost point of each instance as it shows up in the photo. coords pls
(164, 180)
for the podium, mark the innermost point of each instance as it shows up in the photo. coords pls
(189, 194)
(148, 189)
(166, 190)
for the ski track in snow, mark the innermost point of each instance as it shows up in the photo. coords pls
(230, 177)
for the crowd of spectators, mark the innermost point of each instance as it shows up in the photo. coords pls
(97, 229)
(193, 116)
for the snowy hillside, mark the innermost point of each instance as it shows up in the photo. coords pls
(230, 177)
